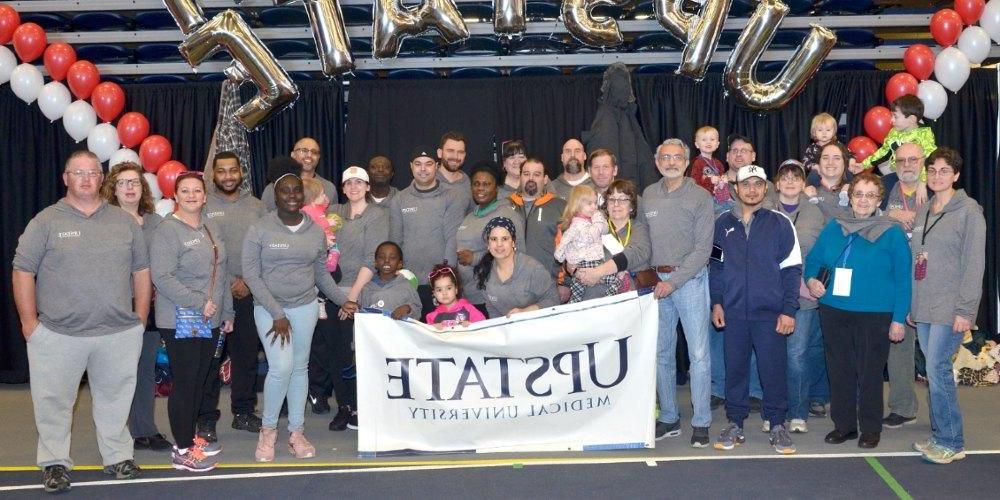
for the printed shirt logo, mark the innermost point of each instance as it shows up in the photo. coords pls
(491, 298)
(211, 215)
(192, 243)
(654, 213)
(69, 234)
(409, 210)
(278, 246)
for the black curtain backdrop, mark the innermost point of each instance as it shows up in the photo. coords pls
(32, 152)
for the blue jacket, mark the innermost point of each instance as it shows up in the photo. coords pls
(758, 275)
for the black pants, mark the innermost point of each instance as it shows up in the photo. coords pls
(242, 345)
(190, 364)
(857, 348)
(330, 354)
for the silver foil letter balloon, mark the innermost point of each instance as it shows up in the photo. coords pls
(393, 22)
(699, 32)
(186, 13)
(581, 24)
(333, 47)
(739, 77)
(508, 16)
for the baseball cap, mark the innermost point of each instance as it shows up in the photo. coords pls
(421, 151)
(749, 171)
(354, 173)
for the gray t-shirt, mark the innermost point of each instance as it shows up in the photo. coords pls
(681, 227)
(424, 224)
(358, 238)
(462, 188)
(530, 283)
(267, 196)
(83, 267)
(233, 218)
(470, 237)
(388, 296)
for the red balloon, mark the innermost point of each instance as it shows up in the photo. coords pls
(82, 77)
(29, 41)
(861, 147)
(108, 100)
(946, 27)
(58, 58)
(9, 21)
(970, 10)
(899, 85)
(132, 129)
(166, 176)
(154, 152)
(878, 122)
(919, 61)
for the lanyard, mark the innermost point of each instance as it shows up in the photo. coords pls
(847, 249)
(927, 230)
(628, 232)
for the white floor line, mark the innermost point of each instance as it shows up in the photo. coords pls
(472, 465)
(651, 463)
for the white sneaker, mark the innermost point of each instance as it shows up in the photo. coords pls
(798, 425)
(766, 426)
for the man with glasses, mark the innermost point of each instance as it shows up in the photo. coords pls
(306, 152)
(680, 218)
(82, 289)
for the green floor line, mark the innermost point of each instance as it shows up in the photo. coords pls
(887, 477)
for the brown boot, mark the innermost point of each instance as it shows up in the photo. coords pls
(299, 446)
(265, 445)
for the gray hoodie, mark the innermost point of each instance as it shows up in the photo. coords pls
(267, 196)
(530, 283)
(388, 296)
(955, 243)
(359, 237)
(233, 217)
(681, 227)
(385, 201)
(470, 237)
(462, 188)
(424, 224)
(809, 222)
(562, 188)
(181, 261)
(283, 268)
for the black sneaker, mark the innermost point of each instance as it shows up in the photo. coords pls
(247, 422)
(699, 438)
(320, 405)
(126, 469)
(155, 442)
(206, 431)
(665, 430)
(755, 405)
(56, 479)
(341, 419)
(817, 409)
(352, 420)
(717, 402)
(895, 421)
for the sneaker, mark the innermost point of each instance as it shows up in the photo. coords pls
(699, 438)
(126, 469)
(817, 410)
(299, 446)
(895, 421)
(206, 431)
(209, 449)
(781, 440)
(923, 446)
(765, 426)
(798, 425)
(731, 437)
(320, 405)
(352, 421)
(247, 422)
(938, 454)
(340, 420)
(55, 479)
(755, 405)
(192, 460)
(155, 442)
(665, 430)
(717, 402)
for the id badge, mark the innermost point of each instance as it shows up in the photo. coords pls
(920, 266)
(612, 244)
(842, 282)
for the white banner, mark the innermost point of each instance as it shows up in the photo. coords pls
(574, 377)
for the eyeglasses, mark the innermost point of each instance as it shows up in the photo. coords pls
(741, 151)
(870, 196)
(303, 151)
(668, 157)
(618, 201)
(93, 174)
(128, 183)
(939, 172)
(913, 160)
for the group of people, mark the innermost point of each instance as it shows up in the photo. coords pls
(780, 284)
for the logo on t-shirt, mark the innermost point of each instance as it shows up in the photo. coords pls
(69, 234)
(654, 213)
(278, 246)
(192, 243)
(409, 210)
(211, 215)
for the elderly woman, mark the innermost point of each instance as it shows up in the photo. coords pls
(512, 282)
(949, 240)
(126, 188)
(859, 269)
(188, 263)
(830, 194)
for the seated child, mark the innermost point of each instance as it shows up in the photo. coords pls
(452, 309)
(388, 290)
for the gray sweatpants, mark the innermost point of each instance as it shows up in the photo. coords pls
(902, 398)
(56, 364)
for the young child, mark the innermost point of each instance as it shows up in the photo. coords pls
(583, 227)
(710, 172)
(823, 130)
(388, 290)
(907, 115)
(452, 309)
(315, 207)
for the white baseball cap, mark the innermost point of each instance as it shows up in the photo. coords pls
(354, 173)
(749, 171)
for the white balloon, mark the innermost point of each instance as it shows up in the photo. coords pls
(78, 119)
(7, 64)
(951, 68)
(165, 207)
(103, 141)
(53, 100)
(934, 97)
(123, 155)
(154, 187)
(975, 44)
(990, 20)
(26, 82)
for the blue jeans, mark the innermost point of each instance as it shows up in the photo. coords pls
(719, 367)
(689, 304)
(287, 367)
(806, 365)
(938, 343)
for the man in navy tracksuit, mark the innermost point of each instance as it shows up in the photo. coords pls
(756, 267)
